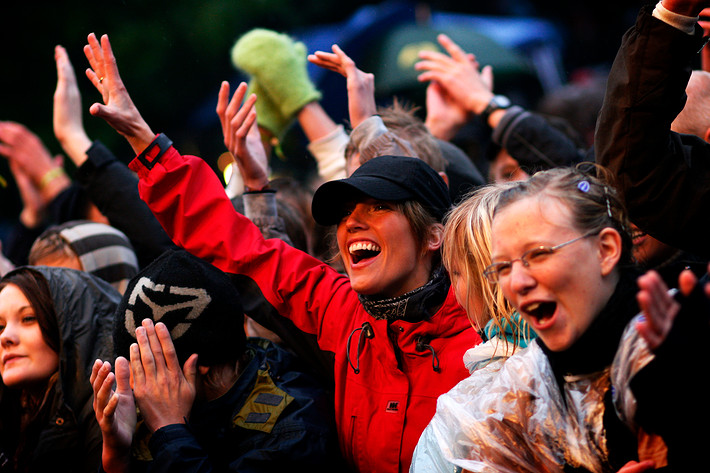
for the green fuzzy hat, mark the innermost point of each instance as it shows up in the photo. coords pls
(278, 67)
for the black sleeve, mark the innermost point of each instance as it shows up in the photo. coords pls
(663, 177)
(113, 188)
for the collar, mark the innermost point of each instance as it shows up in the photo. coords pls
(414, 306)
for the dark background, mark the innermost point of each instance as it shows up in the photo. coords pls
(173, 55)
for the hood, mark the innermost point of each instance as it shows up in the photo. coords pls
(85, 307)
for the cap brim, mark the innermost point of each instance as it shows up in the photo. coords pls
(330, 198)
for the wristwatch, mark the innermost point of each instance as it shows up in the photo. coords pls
(498, 102)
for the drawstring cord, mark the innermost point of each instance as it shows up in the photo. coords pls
(423, 344)
(367, 332)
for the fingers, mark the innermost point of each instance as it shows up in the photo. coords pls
(222, 100)
(452, 48)
(687, 282)
(167, 346)
(65, 71)
(151, 351)
(94, 55)
(659, 309)
(487, 77)
(190, 370)
(102, 384)
(123, 375)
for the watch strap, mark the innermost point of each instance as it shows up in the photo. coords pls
(154, 151)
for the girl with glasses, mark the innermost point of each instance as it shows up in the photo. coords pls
(561, 255)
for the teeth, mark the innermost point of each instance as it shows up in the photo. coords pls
(532, 307)
(363, 245)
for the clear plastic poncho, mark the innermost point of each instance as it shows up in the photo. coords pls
(509, 416)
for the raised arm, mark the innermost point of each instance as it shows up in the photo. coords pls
(662, 176)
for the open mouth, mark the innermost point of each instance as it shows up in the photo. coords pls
(363, 250)
(637, 236)
(540, 311)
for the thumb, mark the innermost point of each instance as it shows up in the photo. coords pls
(189, 369)
(99, 110)
(487, 76)
(123, 375)
(59, 160)
(686, 282)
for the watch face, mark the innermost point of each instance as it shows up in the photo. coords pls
(501, 101)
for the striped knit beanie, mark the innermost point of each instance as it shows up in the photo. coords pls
(103, 250)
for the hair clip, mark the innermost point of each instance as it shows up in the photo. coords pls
(583, 186)
(608, 206)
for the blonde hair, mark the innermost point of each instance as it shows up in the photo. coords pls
(466, 249)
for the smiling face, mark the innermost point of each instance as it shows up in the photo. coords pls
(25, 357)
(379, 250)
(563, 293)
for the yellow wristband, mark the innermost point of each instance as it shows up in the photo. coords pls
(51, 175)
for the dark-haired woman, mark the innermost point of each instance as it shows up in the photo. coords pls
(54, 322)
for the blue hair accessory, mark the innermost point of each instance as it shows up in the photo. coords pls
(583, 186)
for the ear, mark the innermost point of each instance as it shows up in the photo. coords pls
(436, 237)
(203, 370)
(610, 248)
(707, 135)
(445, 178)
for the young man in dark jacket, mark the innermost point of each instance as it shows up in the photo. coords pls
(209, 398)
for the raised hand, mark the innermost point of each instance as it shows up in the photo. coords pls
(658, 306)
(22, 147)
(444, 115)
(115, 413)
(241, 135)
(164, 392)
(67, 117)
(458, 75)
(117, 108)
(360, 85)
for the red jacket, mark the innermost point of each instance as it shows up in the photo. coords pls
(382, 409)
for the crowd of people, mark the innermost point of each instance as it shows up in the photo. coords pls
(408, 311)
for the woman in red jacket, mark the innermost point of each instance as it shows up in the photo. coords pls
(394, 326)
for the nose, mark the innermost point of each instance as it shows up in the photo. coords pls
(356, 220)
(520, 280)
(8, 336)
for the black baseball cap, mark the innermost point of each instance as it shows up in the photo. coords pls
(386, 178)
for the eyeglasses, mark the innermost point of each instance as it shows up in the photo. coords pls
(529, 259)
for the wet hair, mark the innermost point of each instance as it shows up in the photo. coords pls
(466, 250)
(36, 289)
(588, 191)
(402, 121)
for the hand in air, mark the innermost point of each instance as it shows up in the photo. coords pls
(117, 108)
(241, 135)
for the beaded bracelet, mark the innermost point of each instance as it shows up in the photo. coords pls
(51, 175)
